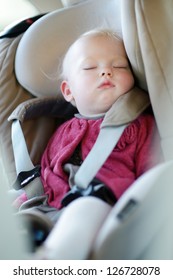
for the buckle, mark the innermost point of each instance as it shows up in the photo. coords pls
(95, 188)
(25, 177)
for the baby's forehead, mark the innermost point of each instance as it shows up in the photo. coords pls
(83, 42)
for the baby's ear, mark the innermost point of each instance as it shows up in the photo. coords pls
(65, 89)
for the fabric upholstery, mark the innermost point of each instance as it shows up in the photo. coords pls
(12, 94)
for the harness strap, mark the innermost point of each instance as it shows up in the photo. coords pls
(21, 155)
(25, 169)
(105, 143)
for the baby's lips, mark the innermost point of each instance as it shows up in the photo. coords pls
(106, 84)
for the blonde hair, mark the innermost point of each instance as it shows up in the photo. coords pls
(101, 32)
(92, 33)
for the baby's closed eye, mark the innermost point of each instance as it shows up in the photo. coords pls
(89, 67)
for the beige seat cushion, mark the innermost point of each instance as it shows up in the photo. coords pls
(12, 94)
(147, 31)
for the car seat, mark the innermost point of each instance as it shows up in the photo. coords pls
(36, 83)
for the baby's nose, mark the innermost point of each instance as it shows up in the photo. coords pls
(106, 72)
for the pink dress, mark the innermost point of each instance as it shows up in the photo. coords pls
(133, 155)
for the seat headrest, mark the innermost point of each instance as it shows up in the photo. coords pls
(44, 43)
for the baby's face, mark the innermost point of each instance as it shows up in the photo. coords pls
(98, 74)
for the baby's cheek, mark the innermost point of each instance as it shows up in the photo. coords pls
(127, 81)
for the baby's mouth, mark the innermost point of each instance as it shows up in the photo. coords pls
(106, 84)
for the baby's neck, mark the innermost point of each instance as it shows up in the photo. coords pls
(93, 117)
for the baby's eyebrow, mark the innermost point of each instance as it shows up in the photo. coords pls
(87, 62)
